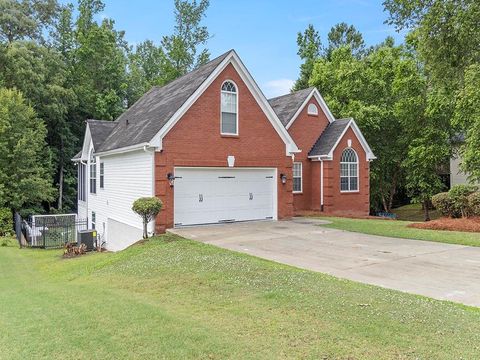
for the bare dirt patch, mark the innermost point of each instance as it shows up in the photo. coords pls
(466, 225)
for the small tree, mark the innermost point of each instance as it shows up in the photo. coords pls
(147, 208)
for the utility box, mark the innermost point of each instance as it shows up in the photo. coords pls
(87, 237)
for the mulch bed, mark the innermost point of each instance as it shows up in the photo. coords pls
(467, 225)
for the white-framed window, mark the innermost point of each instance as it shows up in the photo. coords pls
(102, 174)
(93, 174)
(297, 177)
(349, 171)
(82, 179)
(312, 109)
(229, 109)
(94, 220)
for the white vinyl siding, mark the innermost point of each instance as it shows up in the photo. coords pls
(129, 176)
(297, 177)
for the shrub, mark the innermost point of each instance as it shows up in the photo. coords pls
(444, 204)
(6, 222)
(474, 204)
(459, 197)
(147, 208)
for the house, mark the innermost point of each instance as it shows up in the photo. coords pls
(457, 176)
(214, 150)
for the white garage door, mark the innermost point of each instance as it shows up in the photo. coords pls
(205, 196)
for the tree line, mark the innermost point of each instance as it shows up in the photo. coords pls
(413, 101)
(61, 64)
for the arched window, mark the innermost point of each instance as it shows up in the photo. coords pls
(229, 106)
(93, 174)
(349, 170)
(312, 109)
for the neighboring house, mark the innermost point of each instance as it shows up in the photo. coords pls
(457, 176)
(214, 149)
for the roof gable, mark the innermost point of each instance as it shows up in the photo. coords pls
(289, 106)
(152, 111)
(147, 121)
(233, 59)
(331, 136)
(286, 106)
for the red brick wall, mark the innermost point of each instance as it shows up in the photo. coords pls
(196, 141)
(348, 204)
(305, 131)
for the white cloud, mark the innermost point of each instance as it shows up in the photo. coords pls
(277, 87)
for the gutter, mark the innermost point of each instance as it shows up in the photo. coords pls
(125, 149)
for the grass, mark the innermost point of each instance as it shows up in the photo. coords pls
(399, 229)
(173, 298)
(413, 212)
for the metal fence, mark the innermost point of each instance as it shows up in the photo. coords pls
(49, 231)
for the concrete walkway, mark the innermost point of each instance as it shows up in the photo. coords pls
(440, 271)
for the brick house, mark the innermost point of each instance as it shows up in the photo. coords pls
(214, 149)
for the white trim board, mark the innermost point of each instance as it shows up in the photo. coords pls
(321, 102)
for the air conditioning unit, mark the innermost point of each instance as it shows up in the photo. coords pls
(87, 237)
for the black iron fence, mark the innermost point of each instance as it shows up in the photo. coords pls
(48, 231)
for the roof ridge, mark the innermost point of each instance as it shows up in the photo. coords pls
(292, 93)
(102, 121)
(194, 70)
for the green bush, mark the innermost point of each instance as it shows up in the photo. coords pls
(6, 222)
(474, 204)
(459, 197)
(147, 208)
(444, 204)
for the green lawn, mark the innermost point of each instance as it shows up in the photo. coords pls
(399, 229)
(413, 212)
(177, 299)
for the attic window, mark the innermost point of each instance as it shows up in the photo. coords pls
(312, 109)
(229, 109)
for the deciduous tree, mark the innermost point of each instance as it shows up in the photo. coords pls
(25, 178)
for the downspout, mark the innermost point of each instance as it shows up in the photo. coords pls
(85, 187)
(145, 149)
(321, 185)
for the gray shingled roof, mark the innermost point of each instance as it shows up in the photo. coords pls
(286, 106)
(153, 110)
(329, 137)
(100, 129)
(77, 155)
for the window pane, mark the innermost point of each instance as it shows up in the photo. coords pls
(229, 102)
(297, 169)
(344, 184)
(229, 123)
(297, 184)
(343, 169)
(102, 170)
(353, 169)
(353, 184)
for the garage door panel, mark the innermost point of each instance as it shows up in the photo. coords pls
(214, 195)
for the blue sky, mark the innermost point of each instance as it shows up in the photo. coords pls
(262, 32)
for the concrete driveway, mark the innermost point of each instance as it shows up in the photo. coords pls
(440, 271)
